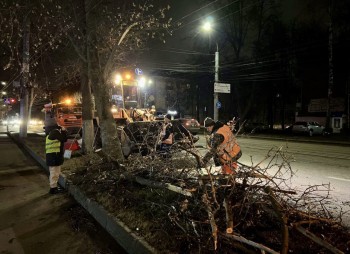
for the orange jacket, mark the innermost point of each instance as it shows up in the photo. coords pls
(229, 148)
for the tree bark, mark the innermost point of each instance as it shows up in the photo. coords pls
(110, 143)
(87, 110)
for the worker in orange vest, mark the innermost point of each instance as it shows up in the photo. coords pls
(223, 146)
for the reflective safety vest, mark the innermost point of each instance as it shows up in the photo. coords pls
(52, 146)
(228, 150)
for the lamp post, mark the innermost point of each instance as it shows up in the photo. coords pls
(216, 95)
(208, 27)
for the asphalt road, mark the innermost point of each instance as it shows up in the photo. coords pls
(33, 221)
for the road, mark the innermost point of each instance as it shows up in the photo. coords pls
(312, 163)
(33, 221)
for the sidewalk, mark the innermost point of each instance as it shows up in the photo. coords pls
(116, 228)
(33, 221)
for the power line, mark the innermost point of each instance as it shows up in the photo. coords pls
(182, 52)
(206, 15)
(196, 11)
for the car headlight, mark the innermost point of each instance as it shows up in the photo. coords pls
(35, 122)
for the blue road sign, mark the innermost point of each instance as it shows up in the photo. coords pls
(138, 71)
(218, 104)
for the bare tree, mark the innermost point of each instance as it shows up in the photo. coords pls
(31, 24)
(124, 27)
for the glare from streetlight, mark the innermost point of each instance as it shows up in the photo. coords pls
(128, 76)
(68, 101)
(207, 26)
(3, 92)
(3, 83)
(118, 79)
(142, 82)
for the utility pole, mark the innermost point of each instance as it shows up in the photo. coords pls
(330, 64)
(216, 95)
(24, 79)
(348, 102)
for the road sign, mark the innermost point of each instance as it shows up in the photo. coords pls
(138, 71)
(218, 104)
(222, 88)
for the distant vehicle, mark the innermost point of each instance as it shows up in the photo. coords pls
(11, 121)
(309, 128)
(253, 127)
(191, 124)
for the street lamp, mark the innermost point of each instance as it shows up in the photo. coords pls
(208, 28)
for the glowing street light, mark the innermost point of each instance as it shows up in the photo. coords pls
(68, 101)
(142, 82)
(118, 79)
(128, 76)
(207, 26)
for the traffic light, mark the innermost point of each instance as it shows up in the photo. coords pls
(9, 101)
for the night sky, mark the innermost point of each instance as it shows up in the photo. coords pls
(294, 66)
(284, 64)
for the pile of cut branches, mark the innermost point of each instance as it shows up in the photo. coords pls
(254, 210)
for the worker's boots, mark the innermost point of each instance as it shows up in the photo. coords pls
(56, 190)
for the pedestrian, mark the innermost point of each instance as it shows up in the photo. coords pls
(54, 155)
(223, 146)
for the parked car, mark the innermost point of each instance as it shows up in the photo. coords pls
(309, 128)
(255, 127)
(191, 124)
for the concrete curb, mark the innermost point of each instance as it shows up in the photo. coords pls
(116, 228)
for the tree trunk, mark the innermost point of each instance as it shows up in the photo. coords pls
(110, 143)
(87, 110)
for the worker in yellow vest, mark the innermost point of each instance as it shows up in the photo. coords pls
(223, 146)
(54, 155)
